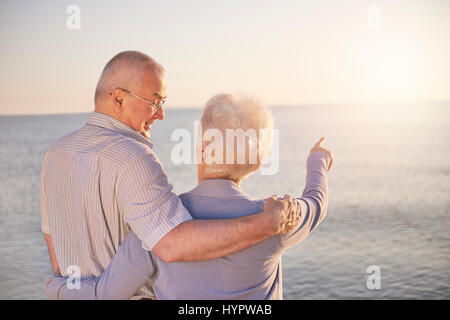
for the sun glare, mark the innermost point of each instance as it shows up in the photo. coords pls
(393, 69)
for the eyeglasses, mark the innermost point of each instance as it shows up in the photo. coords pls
(155, 106)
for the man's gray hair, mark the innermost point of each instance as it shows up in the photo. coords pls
(241, 120)
(126, 70)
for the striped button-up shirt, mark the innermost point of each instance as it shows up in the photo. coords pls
(97, 183)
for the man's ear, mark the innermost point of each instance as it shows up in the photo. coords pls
(117, 97)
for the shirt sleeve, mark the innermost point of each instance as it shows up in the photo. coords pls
(147, 202)
(44, 215)
(314, 200)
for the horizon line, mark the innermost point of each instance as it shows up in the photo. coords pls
(314, 104)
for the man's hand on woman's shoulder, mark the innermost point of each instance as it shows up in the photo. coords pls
(283, 215)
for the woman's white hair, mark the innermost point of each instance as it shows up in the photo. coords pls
(242, 121)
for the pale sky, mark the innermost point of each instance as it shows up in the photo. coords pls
(283, 52)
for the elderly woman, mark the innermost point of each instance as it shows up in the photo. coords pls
(241, 127)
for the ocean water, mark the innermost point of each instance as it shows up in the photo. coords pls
(389, 198)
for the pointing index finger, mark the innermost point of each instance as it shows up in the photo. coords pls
(319, 143)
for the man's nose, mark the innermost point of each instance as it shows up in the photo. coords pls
(159, 114)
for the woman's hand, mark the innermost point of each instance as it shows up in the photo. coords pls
(318, 148)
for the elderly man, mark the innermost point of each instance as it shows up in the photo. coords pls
(103, 179)
(253, 273)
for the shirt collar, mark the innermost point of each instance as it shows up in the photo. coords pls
(218, 188)
(104, 121)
